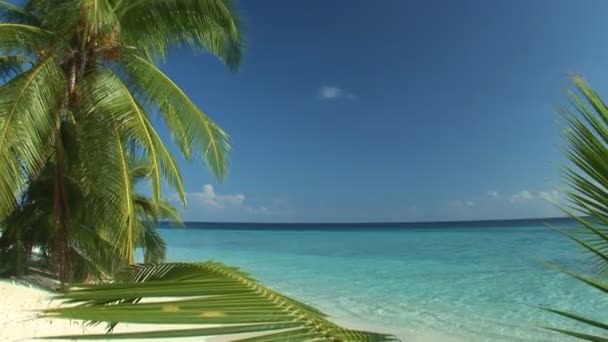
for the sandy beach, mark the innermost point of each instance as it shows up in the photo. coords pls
(20, 303)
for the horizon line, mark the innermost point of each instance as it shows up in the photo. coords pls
(551, 218)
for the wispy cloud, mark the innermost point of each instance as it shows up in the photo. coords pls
(523, 195)
(462, 204)
(552, 196)
(494, 203)
(334, 93)
(259, 210)
(210, 199)
(493, 194)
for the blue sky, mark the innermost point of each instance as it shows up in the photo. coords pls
(349, 110)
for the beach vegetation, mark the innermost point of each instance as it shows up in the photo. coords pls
(586, 176)
(81, 99)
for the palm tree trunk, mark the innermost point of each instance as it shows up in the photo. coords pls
(62, 220)
(62, 236)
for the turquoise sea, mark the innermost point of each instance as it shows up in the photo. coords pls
(479, 281)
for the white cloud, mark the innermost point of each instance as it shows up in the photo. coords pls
(522, 196)
(259, 210)
(209, 199)
(495, 204)
(462, 204)
(552, 196)
(209, 203)
(333, 93)
(522, 199)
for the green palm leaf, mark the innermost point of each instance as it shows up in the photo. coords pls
(14, 14)
(15, 37)
(11, 66)
(587, 150)
(27, 118)
(155, 248)
(156, 25)
(201, 293)
(110, 99)
(194, 131)
(128, 227)
(100, 15)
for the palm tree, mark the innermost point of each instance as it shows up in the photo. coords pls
(79, 85)
(587, 178)
(93, 249)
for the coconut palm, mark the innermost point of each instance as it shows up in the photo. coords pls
(93, 249)
(80, 85)
(587, 178)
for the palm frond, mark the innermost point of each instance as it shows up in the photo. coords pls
(100, 16)
(26, 39)
(155, 248)
(194, 131)
(140, 168)
(111, 99)
(587, 150)
(166, 211)
(11, 66)
(57, 16)
(94, 256)
(128, 228)
(28, 106)
(579, 335)
(10, 13)
(156, 25)
(156, 211)
(112, 209)
(202, 293)
(579, 318)
(149, 214)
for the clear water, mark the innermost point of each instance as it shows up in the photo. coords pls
(448, 284)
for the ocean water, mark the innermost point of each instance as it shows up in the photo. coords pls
(481, 282)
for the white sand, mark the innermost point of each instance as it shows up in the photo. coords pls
(19, 316)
